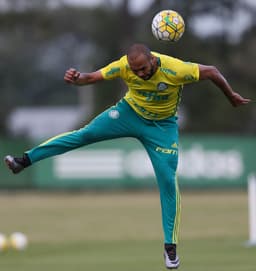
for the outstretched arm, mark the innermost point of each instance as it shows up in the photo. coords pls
(213, 74)
(72, 76)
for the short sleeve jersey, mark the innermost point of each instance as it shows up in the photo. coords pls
(157, 98)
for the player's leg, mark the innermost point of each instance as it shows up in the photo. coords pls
(161, 143)
(115, 122)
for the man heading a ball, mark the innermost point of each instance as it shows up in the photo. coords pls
(147, 112)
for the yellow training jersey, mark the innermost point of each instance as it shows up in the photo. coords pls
(158, 97)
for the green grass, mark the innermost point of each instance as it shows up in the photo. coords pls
(122, 231)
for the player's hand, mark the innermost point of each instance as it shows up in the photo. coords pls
(71, 76)
(237, 100)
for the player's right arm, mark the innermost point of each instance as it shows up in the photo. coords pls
(110, 72)
(72, 76)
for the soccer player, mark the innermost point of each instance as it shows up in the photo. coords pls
(147, 112)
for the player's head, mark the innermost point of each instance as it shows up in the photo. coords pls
(141, 61)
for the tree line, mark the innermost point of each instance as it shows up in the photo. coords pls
(38, 43)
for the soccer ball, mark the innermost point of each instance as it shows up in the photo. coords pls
(18, 241)
(3, 242)
(168, 25)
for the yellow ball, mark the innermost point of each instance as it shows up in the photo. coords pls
(168, 25)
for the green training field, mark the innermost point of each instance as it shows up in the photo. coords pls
(122, 231)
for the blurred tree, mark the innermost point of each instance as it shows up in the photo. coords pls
(37, 45)
(204, 107)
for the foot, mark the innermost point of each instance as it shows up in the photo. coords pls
(171, 258)
(16, 165)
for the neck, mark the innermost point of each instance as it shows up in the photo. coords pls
(155, 64)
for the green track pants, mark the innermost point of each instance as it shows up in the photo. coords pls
(160, 139)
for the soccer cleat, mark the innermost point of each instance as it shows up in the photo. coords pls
(171, 259)
(16, 165)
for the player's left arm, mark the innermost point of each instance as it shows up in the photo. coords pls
(213, 74)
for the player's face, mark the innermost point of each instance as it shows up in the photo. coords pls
(142, 66)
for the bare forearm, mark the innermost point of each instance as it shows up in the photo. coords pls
(213, 74)
(72, 76)
(84, 79)
(220, 81)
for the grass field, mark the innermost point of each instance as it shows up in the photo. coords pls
(122, 231)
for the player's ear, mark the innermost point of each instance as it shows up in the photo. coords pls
(152, 60)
